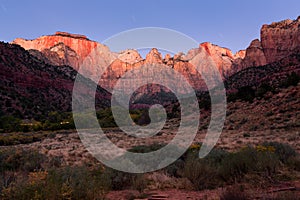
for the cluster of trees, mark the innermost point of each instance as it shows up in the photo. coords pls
(54, 121)
(64, 120)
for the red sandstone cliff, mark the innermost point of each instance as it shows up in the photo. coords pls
(31, 88)
(277, 41)
(70, 49)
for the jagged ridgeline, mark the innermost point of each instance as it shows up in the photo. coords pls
(37, 76)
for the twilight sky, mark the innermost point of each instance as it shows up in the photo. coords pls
(231, 23)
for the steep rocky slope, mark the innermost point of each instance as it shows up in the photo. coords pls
(30, 88)
(272, 74)
(276, 51)
(278, 40)
(67, 49)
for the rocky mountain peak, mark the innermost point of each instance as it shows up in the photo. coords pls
(254, 55)
(240, 54)
(130, 56)
(79, 43)
(154, 56)
(284, 24)
(66, 49)
(278, 40)
(213, 49)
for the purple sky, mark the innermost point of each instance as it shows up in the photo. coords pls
(231, 23)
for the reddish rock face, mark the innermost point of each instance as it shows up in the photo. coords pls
(154, 57)
(79, 47)
(277, 41)
(240, 54)
(82, 47)
(222, 57)
(130, 56)
(254, 55)
(37, 87)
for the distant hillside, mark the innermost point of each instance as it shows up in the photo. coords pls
(30, 88)
(274, 74)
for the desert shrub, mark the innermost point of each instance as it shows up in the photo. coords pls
(21, 189)
(266, 163)
(63, 183)
(55, 162)
(140, 162)
(249, 160)
(14, 163)
(201, 174)
(283, 151)
(78, 182)
(13, 159)
(220, 167)
(175, 169)
(216, 157)
(120, 180)
(235, 165)
(181, 166)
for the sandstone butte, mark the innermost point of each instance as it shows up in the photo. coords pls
(277, 41)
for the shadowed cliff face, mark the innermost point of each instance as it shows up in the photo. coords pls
(69, 49)
(63, 48)
(277, 41)
(30, 88)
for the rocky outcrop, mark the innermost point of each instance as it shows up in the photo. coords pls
(31, 88)
(72, 49)
(65, 34)
(154, 57)
(254, 56)
(59, 54)
(222, 57)
(130, 56)
(240, 54)
(279, 39)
